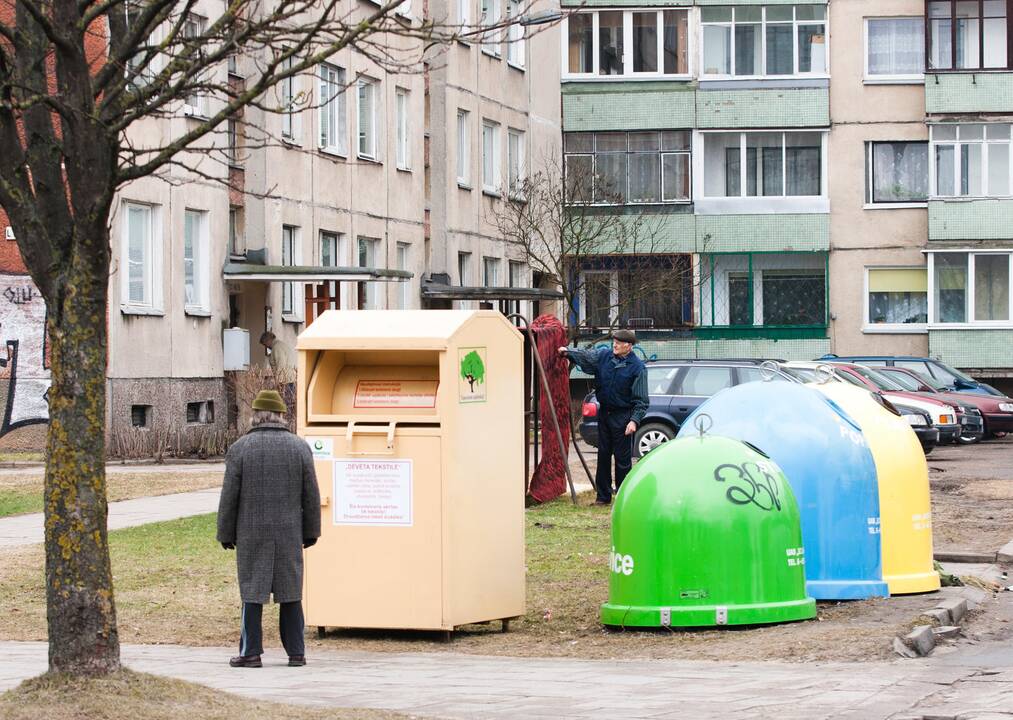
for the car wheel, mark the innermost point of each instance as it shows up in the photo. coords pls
(650, 436)
(970, 439)
(928, 450)
(996, 435)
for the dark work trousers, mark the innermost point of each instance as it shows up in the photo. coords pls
(612, 441)
(251, 642)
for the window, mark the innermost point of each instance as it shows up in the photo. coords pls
(232, 152)
(516, 278)
(237, 241)
(792, 297)
(463, 149)
(401, 124)
(195, 102)
(404, 287)
(490, 157)
(232, 65)
(332, 113)
(490, 272)
(971, 287)
(142, 281)
(329, 248)
(289, 257)
(613, 168)
(491, 14)
(464, 14)
(140, 416)
(648, 292)
(195, 261)
(659, 379)
(289, 116)
(897, 172)
(894, 50)
(898, 296)
(763, 164)
(368, 295)
(202, 413)
(515, 35)
(515, 163)
(367, 119)
(703, 381)
(764, 41)
(463, 269)
(967, 35)
(642, 43)
(140, 65)
(971, 160)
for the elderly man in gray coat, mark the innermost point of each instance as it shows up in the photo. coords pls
(269, 512)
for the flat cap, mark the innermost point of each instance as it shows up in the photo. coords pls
(624, 335)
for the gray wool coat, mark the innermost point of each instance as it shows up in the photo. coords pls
(270, 503)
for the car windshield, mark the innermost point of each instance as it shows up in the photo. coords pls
(904, 380)
(877, 379)
(947, 373)
(932, 382)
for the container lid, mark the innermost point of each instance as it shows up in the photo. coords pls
(388, 329)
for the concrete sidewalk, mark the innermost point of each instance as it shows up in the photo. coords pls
(118, 468)
(450, 685)
(28, 529)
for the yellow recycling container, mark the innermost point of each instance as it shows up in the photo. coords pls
(904, 504)
(415, 420)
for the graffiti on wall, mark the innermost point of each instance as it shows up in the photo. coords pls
(24, 357)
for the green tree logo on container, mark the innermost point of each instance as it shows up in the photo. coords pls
(473, 369)
(471, 384)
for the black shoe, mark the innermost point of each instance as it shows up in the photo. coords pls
(602, 502)
(248, 661)
(296, 660)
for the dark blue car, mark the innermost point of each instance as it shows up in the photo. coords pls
(950, 378)
(676, 389)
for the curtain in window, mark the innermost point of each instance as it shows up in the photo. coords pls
(803, 170)
(796, 298)
(896, 46)
(900, 172)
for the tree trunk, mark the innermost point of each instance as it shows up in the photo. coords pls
(79, 588)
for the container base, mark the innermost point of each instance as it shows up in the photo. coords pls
(707, 615)
(911, 584)
(846, 589)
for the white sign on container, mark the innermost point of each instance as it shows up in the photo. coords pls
(373, 492)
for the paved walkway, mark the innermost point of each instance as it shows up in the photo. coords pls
(28, 529)
(116, 468)
(448, 685)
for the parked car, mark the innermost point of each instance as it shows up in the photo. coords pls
(919, 420)
(950, 378)
(944, 416)
(996, 412)
(676, 388)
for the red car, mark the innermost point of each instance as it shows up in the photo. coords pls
(996, 412)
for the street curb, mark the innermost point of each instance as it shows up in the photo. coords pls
(959, 556)
(1005, 554)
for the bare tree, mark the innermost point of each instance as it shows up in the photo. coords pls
(574, 227)
(80, 83)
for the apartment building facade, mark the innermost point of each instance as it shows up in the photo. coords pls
(335, 185)
(842, 174)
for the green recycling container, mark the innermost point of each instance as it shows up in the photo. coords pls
(706, 531)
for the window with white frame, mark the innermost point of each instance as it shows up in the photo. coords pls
(515, 162)
(401, 125)
(516, 278)
(971, 160)
(367, 114)
(491, 181)
(330, 246)
(613, 168)
(896, 172)
(653, 291)
(626, 43)
(290, 252)
(289, 116)
(142, 281)
(763, 164)
(232, 150)
(332, 113)
(491, 14)
(368, 250)
(237, 229)
(763, 41)
(196, 261)
(970, 287)
(463, 148)
(404, 287)
(894, 50)
(515, 34)
(490, 271)
(463, 269)
(195, 102)
(967, 34)
(897, 296)
(464, 14)
(141, 67)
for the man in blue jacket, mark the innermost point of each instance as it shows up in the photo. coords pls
(620, 384)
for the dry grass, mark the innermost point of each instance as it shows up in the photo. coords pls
(22, 493)
(128, 695)
(174, 584)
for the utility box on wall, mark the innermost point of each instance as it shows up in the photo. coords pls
(236, 348)
(416, 422)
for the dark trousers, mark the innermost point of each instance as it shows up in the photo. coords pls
(251, 642)
(612, 441)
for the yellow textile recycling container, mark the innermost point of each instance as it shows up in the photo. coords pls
(904, 504)
(415, 419)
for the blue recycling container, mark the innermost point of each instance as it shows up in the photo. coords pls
(831, 470)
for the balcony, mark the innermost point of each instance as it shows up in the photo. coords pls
(971, 219)
(628, 105)
(972, 348)
(970, 92)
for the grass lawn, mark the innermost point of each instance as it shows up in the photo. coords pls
(22, 493)
(135, 695)
(174, 584)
